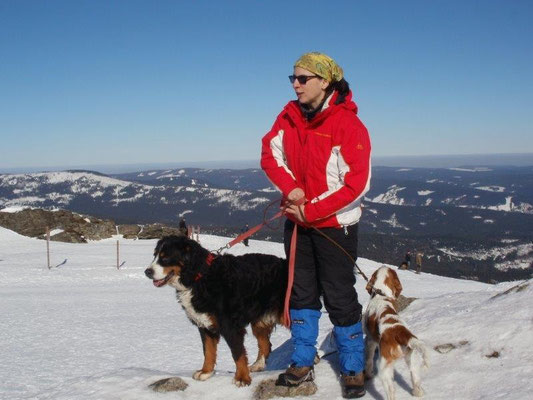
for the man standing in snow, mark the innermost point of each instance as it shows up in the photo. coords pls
(418, 262)
(408, 259)
(244, 230)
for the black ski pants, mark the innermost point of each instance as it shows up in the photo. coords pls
(321, 268)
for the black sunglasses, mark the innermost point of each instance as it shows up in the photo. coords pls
(302, 79)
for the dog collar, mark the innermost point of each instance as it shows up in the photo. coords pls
(379, 292)
(209, 260)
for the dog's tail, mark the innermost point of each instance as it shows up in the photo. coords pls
(419, 346)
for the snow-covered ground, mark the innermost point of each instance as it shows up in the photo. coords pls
(85, 330)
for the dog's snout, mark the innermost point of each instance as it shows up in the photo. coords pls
(149, 272)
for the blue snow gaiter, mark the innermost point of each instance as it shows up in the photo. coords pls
(351, 347)
(304, 331)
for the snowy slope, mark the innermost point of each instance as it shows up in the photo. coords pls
(86, 330)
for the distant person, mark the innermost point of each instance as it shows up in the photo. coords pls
(408, 259)
(317, 154)
(182, 227)
(243, 230)
(419, 262)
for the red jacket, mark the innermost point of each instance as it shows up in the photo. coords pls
(328, 157)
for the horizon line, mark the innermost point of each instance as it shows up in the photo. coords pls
(413, 161)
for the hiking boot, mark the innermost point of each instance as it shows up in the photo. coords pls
(295, 376)
(353, 385)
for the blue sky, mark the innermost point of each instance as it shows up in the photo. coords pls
(123, 82)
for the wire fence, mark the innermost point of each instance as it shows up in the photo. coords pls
(193, 232)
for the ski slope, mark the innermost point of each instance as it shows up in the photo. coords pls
(85, 330)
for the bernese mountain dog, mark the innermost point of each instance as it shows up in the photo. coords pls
(222, 295)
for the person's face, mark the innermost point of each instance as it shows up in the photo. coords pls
(313, 91)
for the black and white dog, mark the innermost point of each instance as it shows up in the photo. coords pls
(221, 295)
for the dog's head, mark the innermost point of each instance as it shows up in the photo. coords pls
(385, 282)
(172, 262)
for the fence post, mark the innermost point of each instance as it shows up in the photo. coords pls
(118, 256)
(48, 246)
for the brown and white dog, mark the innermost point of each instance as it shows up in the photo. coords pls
(385, 329)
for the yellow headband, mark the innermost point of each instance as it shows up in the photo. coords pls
(321, 65)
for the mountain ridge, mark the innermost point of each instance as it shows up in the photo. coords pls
(449, 214)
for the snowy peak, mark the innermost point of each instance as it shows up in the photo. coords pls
(499, 189)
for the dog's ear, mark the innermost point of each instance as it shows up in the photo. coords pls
(370, 284)
(158, 247)
(396, 284)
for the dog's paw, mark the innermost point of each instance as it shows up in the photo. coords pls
(241, 382)
(200, 375)
(258, 365)
(418, 392)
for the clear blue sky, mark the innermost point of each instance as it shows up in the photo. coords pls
(113, 82)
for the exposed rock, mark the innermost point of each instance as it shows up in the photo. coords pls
(494, 354)
(76, 228)
(129, 231)
(447, 347)
(403, 302)
(267, 389)
(68, 237)
(157, 231)
(169, 385)
(516, 289)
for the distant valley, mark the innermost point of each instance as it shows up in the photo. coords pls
(473, 223)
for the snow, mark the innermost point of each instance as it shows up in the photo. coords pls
(86, 330)
(476, 169)
(13, 209)
(393, 222)
(507, 206)
(496, 189)
(522, 251)
(425, 192)
(171, 175)
(390, 197)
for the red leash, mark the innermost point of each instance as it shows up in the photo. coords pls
(290, 280)
(292, 257)
(249, 232)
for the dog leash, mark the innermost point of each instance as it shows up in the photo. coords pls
(292, 253)
(332, 241)
(345, 252)
(253, 230)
